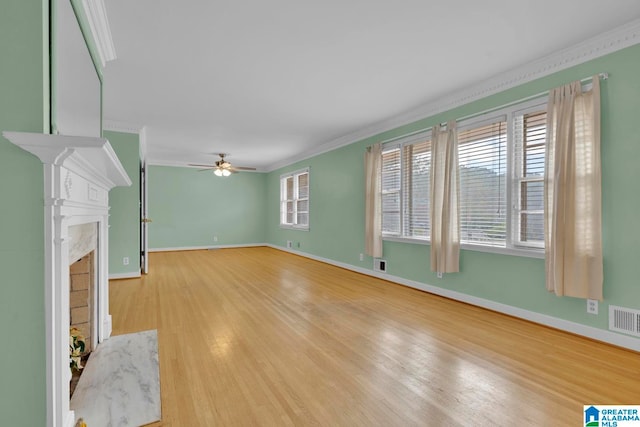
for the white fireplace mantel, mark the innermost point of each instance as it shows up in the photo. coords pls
(78, 174)
(92, 158)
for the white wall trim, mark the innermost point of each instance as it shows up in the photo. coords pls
(132, 275)
(609, 337)
(603, 44)
(200, 248)
(96, 13)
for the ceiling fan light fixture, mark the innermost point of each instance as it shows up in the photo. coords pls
(222, 167)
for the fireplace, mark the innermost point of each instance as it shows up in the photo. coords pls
(78, 174)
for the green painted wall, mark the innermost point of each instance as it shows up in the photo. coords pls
(124, 202)
(189, 207)
(337, 206)
(23, 107)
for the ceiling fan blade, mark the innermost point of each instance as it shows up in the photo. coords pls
(205, 170)
(242, 168)
(202, 166)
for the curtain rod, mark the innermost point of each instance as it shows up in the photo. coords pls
(602, 76)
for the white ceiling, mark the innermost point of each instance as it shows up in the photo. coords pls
(268, 81)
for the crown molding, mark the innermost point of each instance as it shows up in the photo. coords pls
(595, 47)
(96, 13)
(124, 127)
(164, 162)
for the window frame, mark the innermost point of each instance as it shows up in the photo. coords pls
(513, 245)
(518, 179)
(294, 175)
(400, 144)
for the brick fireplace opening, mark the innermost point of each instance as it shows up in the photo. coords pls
(82, 314)
(83, 289)
(81, 296)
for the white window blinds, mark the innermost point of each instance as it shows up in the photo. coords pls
(416, 181)
(391, 192)
(482, 153)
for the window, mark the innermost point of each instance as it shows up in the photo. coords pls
(482, 161)
(501, 163)
(294, 200)
(530, 128)
(405, 187)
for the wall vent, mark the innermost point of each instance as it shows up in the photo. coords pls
(380, 265)
(625, 320)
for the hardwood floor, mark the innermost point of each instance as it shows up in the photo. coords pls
(256, 336)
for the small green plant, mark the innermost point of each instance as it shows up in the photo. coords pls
(76, 348)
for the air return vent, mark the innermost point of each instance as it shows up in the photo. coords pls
(624, 320)
(379, 265)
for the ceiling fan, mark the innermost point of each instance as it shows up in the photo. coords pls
(222, 167)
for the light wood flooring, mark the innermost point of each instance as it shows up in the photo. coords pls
(256, 336)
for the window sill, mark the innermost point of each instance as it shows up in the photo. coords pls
(529, 253)
(294, 227)
(406, 240)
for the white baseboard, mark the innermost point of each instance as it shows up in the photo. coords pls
(200, 248)
(609, 337)
(132, 275)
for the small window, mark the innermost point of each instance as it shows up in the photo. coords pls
(294, 200)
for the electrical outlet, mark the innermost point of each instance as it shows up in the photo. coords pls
(361, 257)
(125, 260)
(289, 244)
(297, 244)
(592, 306)
(215, 238)
(439, 274)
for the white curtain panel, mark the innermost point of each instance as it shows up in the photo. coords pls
(572, 185)
(445, 210)
(373, 203)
